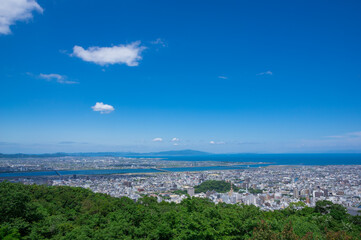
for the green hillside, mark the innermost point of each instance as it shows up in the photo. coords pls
(218, 186)
(41, 212)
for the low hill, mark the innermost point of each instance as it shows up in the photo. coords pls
(218, 186)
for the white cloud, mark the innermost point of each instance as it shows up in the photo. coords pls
(158, 139)
(57, 77)
(129, 54)
(102, 108)
(222, 77)
(213, 142)
(12, 11)
(265, 73)
(175, 144)
(175, 139)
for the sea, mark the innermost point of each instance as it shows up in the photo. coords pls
(280, 159)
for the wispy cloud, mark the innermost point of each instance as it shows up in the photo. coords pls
(222, 77)
(67, 142)
(56, 77)
(160, 42)
(217, 143)
(335, 136)
(102, 108)
(175, 139)
(129, 54)
(158, 139)
(12, 11)
(71, 142)
(346, 135)
(265, 73)
(347, 142)
(7, 143)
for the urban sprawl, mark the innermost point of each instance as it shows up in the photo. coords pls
(270, 188)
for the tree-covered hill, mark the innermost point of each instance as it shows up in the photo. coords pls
(41, 212)
(218, 186)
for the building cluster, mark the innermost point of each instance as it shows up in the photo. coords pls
(97, 163)
(270, 188)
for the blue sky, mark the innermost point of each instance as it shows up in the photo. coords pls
(219, 76)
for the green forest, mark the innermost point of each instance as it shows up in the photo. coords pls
(218, 186)
(43, 212)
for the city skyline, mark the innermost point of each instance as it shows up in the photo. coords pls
(230, 77)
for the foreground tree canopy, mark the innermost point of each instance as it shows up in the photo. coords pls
(42, 212)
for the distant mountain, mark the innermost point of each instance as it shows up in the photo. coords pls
(186, 152)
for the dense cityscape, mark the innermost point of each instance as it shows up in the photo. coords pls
(270, 188)
(81, 163)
